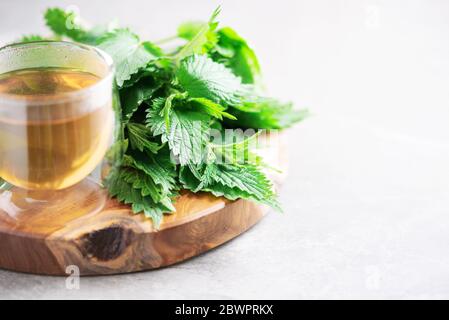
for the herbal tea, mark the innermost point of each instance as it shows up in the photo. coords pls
(56, 145)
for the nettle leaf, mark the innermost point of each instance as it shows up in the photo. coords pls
(116, 152)
(153, 49)
(267, 113)
(201, 77)
(247, 178)
(127, 52)
(64, 23)
(240, 58)
(133, 96)
(231, 181)
(158, 71)
(67, 24)
(204, 39)
(140, 138)
(212, 108)
(188, 30)
(166, 110)
(31, 38)
(144, 183)
(120, 184)
(186, 135)
(187, 179)
(242, 150)
(159, 168)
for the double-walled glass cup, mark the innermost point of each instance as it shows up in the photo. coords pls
(52, 141)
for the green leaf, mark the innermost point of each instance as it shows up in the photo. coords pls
(240, 58)
(153, 49)
(231, 181)
(186, 135)
(201, 77)
(66, 24)
(212, 108)
(140, 138)
(247, 178)
(154, 72)
(187, 179)
(245, 65)
(204, 39)
(267, 114)
(159, 168)
(120, 184)
(144, 183)
(166, 110)
(160, 173)
(31, 38)
(116, 152)
(188, 30)
(242, 150)
(133, 96)
(127, 52)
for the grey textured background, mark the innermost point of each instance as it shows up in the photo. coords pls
(367, 199)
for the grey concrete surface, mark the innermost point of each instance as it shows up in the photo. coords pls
(367, 199)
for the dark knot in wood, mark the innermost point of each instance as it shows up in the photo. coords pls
(108, 243)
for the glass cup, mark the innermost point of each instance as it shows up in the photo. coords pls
(49, 143)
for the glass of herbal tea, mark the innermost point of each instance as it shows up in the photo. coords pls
(56, 116)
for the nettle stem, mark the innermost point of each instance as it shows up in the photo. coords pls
(166, 40)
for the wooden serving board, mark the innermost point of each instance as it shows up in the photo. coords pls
(112, 240)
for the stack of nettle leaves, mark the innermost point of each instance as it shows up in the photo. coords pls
(169, 99)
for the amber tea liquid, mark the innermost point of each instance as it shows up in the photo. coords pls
(56, 146)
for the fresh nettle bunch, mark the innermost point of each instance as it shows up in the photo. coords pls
(168, 100)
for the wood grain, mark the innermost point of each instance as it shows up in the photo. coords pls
(86, 228)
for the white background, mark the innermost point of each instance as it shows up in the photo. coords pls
(367, 199)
